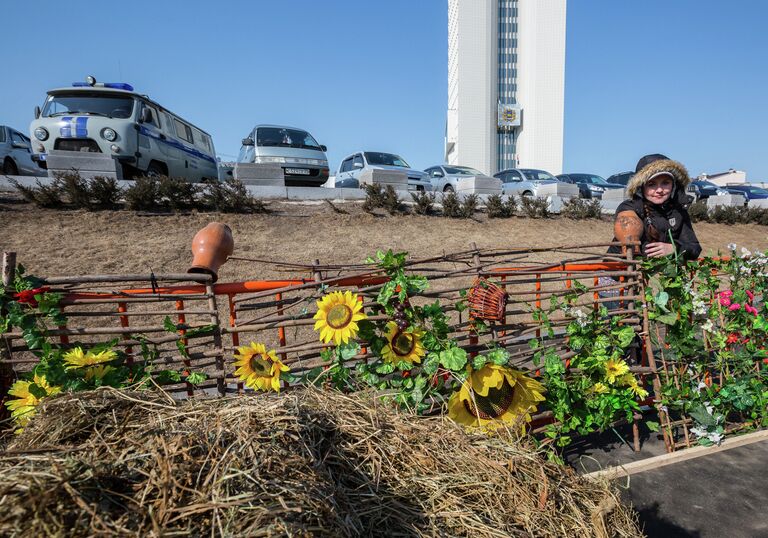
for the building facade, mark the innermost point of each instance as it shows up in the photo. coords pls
(506, 82)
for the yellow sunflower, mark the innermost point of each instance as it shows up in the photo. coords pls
(598, 388)
(614, 369)
(77, 358)
(494, 396)
(24, 406)
(337, 316)
(628, 380)
(97, 372)
(258, 368)
(403, 345)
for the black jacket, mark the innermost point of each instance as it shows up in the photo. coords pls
(670, 215)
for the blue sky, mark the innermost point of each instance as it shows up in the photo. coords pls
(686, 78)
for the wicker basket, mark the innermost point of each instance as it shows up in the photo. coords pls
(486, 300)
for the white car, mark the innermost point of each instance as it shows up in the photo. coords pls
(16, 154)
(445, 178)
(353, 166)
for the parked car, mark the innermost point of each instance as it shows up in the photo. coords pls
(445, 178)
(16, 153)
(749, 192)
(353, 166)
(701, 190)
(622, 178)
(302, 159)
(590, 185)
(524, 181)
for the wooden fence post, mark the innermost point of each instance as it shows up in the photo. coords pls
(9, 268)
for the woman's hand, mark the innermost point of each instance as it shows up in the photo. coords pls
(657, 250)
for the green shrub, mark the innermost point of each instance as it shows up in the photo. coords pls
(47, 196)
(469, 205)
(73, 188)
(535, 208)
(143, 194)
(578, 208)
(377, 196)
(230, 196)
(699, 211)
(177, 193)
(423, 202)
(451, 205)
(727, 214)
(498, 208)
(104, 191)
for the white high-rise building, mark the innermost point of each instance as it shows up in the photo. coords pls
(506, 78)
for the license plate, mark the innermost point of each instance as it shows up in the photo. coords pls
(297, 171)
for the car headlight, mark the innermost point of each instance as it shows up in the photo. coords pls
(109, 134)
(41, 134)
(269, 160)
(721, 192)
(597, 189)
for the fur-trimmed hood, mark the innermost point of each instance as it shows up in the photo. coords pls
(673, 168)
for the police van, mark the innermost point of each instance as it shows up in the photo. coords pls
(111, 119)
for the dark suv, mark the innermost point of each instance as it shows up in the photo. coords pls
(621, 178)
(590, 185)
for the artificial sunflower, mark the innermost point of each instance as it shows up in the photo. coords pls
(258, 368)
(494, 396)
(614, 369)
(628, 380)
(403, 345)
(25, 405)
(97, 372)
(598, 388)
(77, 358)
(337, 316)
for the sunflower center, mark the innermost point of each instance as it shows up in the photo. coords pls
(403, 344)
(339, 316)
(261, 366)
(494, 405)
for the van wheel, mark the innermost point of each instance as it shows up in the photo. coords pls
(156, 169)
(527, 194)
(448, 188)
(10, 168)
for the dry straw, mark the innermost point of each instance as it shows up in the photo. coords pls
(304, 463)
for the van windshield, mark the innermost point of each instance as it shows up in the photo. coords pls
(284, 137)
(386, 159)
(95, 104)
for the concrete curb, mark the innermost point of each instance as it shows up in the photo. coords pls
(655, 462)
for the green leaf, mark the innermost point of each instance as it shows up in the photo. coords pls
(168, 376)
(348, 351)
(431, 363)
(653, 426)
(196, 378)
(168, 325)
(37, 391)
(498, 356)
(478, 362)
(385, 368)
(661, 300)
(453, 358)
(668, 319)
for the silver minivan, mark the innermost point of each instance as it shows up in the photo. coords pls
(302, 159)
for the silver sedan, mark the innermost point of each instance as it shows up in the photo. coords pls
(445, 178)
(524, 181)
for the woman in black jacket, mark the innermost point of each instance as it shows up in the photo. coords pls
(655, 213)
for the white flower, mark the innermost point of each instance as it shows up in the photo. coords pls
(701, 386)
(708, 326)
(732, 247)
(745, 253)
(709, 407)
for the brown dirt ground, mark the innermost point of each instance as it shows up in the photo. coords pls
(58, 243)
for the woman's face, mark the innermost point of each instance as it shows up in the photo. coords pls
(658, 190)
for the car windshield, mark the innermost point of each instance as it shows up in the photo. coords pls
(93, 104)
(537, 175)
(461, 171)
(590, 179)
(706, 184)
(385, 159)
(286, 138)
(754, 190)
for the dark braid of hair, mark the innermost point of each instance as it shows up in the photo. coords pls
(651, 232)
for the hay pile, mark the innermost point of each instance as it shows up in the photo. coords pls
(304, 463)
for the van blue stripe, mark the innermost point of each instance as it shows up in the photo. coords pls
(176, 144)
(66, 129)
(81, 127)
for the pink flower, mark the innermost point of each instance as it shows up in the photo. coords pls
(750, 295)
(725, 301)
(734, 306)
(726, 293)
(751, 309)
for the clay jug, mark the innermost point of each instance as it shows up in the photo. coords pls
(211, 247)
(628, 227)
